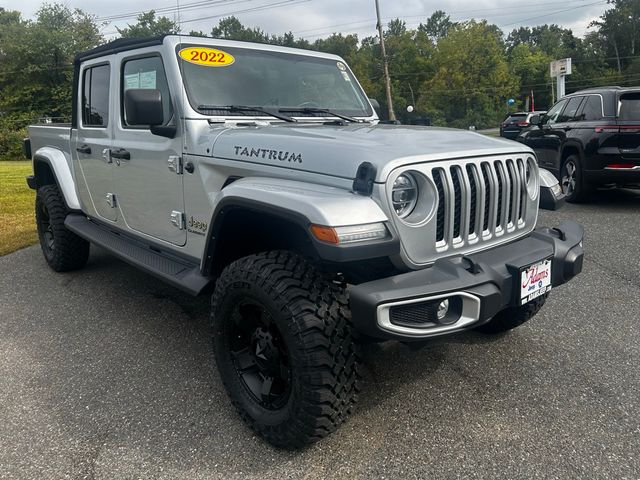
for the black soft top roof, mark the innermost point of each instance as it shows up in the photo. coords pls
(119, 45)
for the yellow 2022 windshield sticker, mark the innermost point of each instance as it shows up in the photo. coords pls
(208, 57)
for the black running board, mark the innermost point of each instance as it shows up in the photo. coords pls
(175, 271)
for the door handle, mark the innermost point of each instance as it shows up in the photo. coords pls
(121, 154)
(84, 149)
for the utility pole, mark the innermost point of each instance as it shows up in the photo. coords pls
(385, 65)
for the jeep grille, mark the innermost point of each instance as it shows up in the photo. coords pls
(480, 202)
(498, 187)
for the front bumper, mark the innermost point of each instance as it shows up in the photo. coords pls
(486, 283)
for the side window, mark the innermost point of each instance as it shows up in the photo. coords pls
(592, 109)
(95, 96)
(553, 114)
(569, 113)
(146, 73)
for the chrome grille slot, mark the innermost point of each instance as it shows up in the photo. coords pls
(457, 200)
(437, 179)
(474, 199)
(479, 201)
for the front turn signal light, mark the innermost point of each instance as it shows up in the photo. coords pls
(350, 233)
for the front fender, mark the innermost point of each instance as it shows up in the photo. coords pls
(551, 196)
(302, 204)
(319, 204)
(59, 165)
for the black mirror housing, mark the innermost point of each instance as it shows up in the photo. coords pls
(535, 120)
(143, 106)
(376, 106)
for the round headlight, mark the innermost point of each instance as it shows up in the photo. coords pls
(404, 194)
(531, 177)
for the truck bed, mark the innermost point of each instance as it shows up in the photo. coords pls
(55, 135)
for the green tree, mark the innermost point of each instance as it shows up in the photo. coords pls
(619, 30)
(36, 63)
(531, 67)
(472, 79)
(148, 25)
(230, 28)
(437, 26)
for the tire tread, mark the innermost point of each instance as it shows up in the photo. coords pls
(321, 325)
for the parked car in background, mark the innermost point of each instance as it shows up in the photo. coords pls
(588, 139)
(516, 122)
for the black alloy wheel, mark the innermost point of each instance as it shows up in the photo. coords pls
(46, 230)
(62, 249)
(259, 354)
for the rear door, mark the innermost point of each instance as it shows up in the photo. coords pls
(629, 124)
(91, 141)
(149, 190)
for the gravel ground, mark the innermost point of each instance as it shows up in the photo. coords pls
(108, 373)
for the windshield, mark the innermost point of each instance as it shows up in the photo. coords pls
(270, 80)
(516, 117)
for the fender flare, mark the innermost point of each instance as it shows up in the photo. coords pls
(59, 165)
(303, 204)
(571, 145)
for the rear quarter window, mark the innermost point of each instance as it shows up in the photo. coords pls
(629, 106)
(95, 96)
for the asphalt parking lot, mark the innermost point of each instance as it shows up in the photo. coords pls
(107, 373)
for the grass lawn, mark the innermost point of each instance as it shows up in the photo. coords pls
(17, 218)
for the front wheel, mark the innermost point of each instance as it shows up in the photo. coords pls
(63, 250)
(284, 347)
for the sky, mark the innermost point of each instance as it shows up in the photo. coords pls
(313, 19)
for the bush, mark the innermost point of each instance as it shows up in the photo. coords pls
(11, 143)
(13, 129)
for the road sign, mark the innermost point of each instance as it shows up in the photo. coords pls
(560, 67)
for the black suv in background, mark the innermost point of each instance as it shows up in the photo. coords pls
(516, 122)
(589, 138)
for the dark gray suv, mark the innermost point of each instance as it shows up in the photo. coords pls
(589, 138)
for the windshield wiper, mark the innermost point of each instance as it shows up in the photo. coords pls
(246, 108)
(320, 110)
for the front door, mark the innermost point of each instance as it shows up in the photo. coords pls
(543, 138)
(149, 191)
(92, 141)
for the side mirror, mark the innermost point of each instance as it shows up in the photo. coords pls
(536, 120)
(143, 106)
(376, 106)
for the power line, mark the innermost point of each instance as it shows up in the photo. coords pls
(553, 13)
(425, 17)
(171, 9)
(257, 8)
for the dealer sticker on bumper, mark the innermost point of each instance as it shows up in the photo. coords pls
(535, 280)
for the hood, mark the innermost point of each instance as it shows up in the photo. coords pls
(338, 150)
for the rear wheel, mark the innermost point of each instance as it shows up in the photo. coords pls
(63, 250)
(284, 347)
(572, 180)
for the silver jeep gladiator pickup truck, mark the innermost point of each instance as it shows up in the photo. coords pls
(263, 175)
